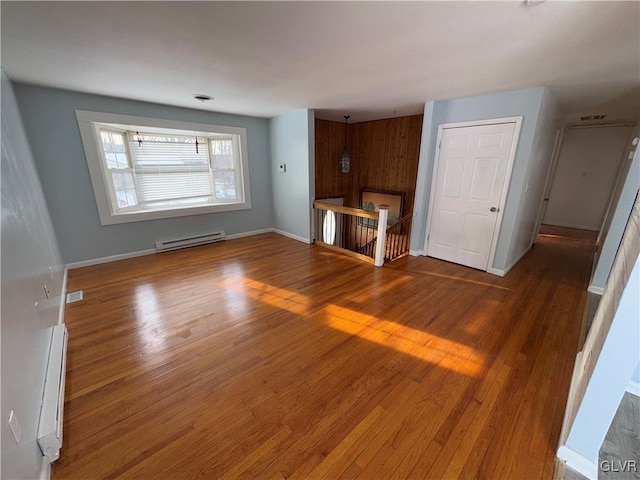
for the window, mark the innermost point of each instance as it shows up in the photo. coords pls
(144, 169)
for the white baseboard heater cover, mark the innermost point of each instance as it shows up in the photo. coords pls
(50, 427)
(189, 242)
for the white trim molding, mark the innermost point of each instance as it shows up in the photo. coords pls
(251, 233)
(578, 463)
(63, 296)
(633, 388)
(110, 258)
(595, 290)
(45, 469)
(570, 225)
(418, 253)
(149, 251)
(292, 236)
(502, 273)
(89, 125)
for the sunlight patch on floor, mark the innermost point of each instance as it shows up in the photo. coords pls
(425, 346)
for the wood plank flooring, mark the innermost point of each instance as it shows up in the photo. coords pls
(265, 358)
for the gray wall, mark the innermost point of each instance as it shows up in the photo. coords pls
(52, 129)
(525, 103)
(292, 143)
(615, 366)
(30, 259)
(619, 221)
(527, 223)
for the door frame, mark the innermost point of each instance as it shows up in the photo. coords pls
(505, 186)
(548, 183)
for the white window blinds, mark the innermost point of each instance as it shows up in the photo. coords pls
(171, 170)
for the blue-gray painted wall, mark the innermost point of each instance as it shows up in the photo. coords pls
(292, 143)
(52, 130)
(30, 260)
(618, 223)
(525, 103)
(615, 365)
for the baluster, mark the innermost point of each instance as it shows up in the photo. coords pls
(382, 235)
(394, 248)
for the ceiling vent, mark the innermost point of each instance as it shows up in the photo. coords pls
(591, 118)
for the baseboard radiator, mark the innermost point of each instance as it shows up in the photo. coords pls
(189, 242)
(50, 426)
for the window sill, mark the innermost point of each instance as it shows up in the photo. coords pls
(128, 217)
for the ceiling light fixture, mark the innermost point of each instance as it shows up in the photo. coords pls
(202, 97)
(345, 159)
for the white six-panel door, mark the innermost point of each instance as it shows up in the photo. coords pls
(470, 169)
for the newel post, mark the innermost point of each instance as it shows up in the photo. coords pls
(382, 235)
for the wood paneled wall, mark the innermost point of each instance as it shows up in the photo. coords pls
(330, 181)
(384, 156)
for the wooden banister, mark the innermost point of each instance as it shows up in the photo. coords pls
(349, 232)
(356, 212)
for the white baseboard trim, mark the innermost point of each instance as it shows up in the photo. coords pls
(496, 271)
(291, 235)
(595, 290)
(633, 388)
(45, 469)
(578, 463)
(150, 251)
(570, 225)
(63, 296)
(417, 253)
(111, 258)
(502, 273)
(233, 236)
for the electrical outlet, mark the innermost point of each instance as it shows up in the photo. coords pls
(14, 426)
(282, 167)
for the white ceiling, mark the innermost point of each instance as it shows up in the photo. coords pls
(367, 59)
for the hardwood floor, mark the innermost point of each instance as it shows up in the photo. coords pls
(265, 358)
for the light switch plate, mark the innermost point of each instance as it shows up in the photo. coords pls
(14, 426)
(282, 167)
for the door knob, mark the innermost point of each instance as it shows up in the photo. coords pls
(494, 209)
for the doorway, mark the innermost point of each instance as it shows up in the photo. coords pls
(588, 165)
(472, 170)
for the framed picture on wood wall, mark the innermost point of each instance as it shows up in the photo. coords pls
(371, 199)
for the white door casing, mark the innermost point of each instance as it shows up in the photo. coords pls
(472, 169)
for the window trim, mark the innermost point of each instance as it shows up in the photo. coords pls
(88, 122)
